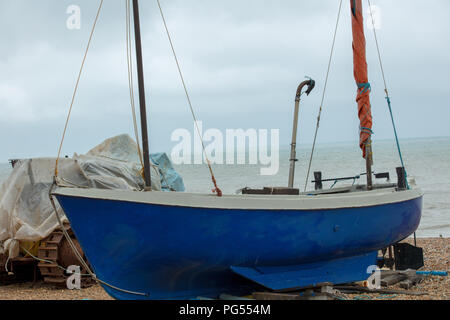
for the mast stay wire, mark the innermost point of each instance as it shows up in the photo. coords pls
(55, 177)
(208, 162)
(323, 94)
(130, 78)
(388, 98)
(76, 87)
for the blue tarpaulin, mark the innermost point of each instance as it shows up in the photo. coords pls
(170, 179)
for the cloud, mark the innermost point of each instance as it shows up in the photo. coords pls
(242, 61)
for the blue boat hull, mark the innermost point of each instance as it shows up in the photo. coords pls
(175, 252)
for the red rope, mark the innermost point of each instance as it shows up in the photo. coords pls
(217, 189)
(213, 178)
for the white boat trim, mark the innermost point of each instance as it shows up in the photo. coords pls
(249, 202)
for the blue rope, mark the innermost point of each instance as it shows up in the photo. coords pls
(354, 7)
(366, 86)
(387, 296)
(362, 297)
(366, 130)
(388, 99)
(335, 183)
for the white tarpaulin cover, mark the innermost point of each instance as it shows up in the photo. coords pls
(26, 213)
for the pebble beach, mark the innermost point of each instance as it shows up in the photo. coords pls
(436, 257)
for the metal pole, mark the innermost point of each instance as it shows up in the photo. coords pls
(293, 159)
(310, 83)
(140, 71)
(369, 163)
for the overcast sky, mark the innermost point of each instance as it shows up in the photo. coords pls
(242, 60)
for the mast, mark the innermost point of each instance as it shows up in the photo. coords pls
(140, 71)
(363, 95)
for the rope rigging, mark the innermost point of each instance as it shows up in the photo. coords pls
(132, 103)
(388, 98)
(216, 188)
(55, 178)
(323, 94)
(130, 79)
(363, 89)
(76, 87)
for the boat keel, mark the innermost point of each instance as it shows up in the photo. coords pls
(338, 271)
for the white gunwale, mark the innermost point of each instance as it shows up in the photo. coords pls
(249, 202)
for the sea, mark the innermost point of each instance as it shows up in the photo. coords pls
(427, 161)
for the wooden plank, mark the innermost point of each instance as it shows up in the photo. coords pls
(307, 295)
(318, 285)
(382, 291)
(225, 296)
(275, 296)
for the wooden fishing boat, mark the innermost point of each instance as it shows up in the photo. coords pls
(157, 245)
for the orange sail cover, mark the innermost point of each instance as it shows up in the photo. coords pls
(360, 71)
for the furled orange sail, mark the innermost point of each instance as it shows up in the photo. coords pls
(361, 77)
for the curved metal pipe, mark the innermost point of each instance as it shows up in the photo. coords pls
(310, 84)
